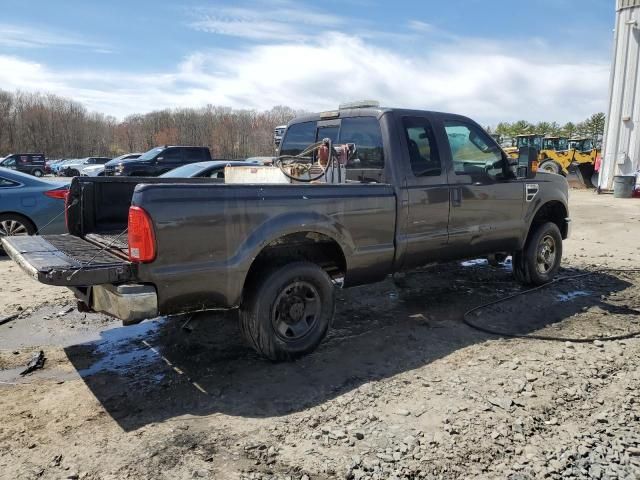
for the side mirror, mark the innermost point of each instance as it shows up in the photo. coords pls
(159, 159)
(527, 162)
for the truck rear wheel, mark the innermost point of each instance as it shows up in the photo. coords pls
(539, 261)
(287, 312)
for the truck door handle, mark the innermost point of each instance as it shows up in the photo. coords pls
(456, 197)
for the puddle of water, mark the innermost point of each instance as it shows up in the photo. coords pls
(474, 262)
(121, 362)
(120, 349)
(566, 297)
(116, 349)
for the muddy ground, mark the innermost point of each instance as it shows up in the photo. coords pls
(400, 389)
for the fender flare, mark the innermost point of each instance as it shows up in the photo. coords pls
(289, 223)
(532, 213)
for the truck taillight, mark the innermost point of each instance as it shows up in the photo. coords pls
(142, 240)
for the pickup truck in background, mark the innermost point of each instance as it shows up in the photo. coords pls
(423, 187)
(157, 161)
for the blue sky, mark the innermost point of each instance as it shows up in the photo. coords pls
(491, 59)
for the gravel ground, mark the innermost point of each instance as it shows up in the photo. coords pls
(401, 388)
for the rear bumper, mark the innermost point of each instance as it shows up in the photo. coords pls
(131, 302)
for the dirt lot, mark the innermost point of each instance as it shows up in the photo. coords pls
(400, 389)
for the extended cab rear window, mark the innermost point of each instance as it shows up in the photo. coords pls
(363, 131)
(299, 136)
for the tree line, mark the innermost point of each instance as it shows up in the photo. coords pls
(63, 128)
(592, 127)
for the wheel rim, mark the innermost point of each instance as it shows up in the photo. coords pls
(37, 173)
(12, 228)
(296, 311)
(547, 252)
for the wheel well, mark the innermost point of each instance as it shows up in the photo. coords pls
(554, 212)
(310, 246)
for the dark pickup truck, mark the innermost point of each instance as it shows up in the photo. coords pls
(157, 161)
(423, 187)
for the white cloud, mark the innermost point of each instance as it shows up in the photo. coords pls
(265, 21)
(19, 36)
(486, 81)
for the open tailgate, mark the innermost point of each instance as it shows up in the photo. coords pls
(66, 260)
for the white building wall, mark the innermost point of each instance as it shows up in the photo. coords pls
(621, 143)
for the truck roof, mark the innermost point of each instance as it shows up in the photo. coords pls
(360, 112)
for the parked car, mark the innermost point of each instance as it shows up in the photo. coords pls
(261, 160)
(56, 166)
(157, 161)
(98, 170)
(31, 163)
(49, 163)
(212, 169)
(30, 205)
(72, 168)
(442, 190)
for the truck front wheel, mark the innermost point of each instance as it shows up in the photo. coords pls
(539, 261)
(287, 312)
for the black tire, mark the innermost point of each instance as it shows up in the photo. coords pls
(274, 304)
(37, 173)
(14, 224)
(534, 265)
(551, 167)
(73, 173)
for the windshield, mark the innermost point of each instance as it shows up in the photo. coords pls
(554, 144)
(529, 142)
(151, 153)
(184, 171)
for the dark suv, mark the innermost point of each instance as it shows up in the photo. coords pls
(157, 161)
(31, 163)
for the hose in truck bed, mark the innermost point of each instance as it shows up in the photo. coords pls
(303, 156)
(490, 331)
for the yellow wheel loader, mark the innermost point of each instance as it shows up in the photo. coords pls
(527, 140)
(555, 155)
(586, 153)
(560, 155)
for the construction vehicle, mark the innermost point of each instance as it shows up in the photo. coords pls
(586, 152)
(555, 155)
(525, 140)
(560, 155)
(585, 148)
